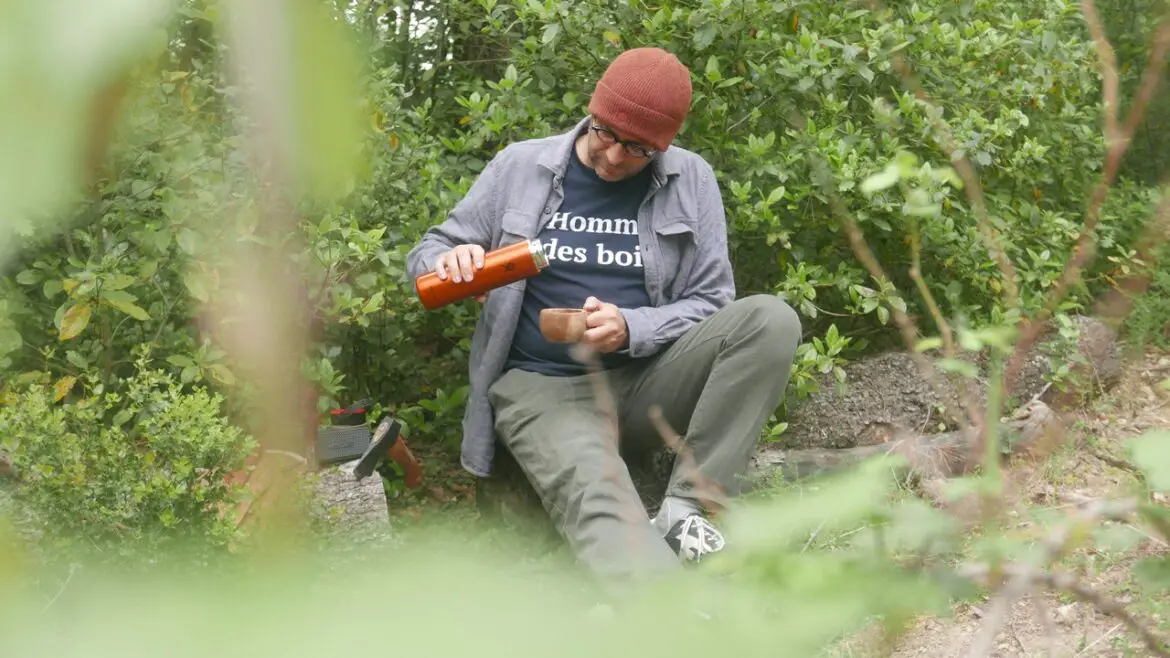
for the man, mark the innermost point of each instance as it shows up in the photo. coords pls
(635, 232)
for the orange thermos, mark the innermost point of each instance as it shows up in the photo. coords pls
(500, 267)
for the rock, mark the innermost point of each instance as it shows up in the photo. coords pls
(1094, 357)
(1090, 348)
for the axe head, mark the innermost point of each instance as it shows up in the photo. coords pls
(385, 435)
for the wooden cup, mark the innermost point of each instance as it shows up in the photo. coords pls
(562, 325)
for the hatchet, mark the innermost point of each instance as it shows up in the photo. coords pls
(387, 442)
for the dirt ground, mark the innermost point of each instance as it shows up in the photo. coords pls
(1086, 467)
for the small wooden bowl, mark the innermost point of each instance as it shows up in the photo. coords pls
(562, 325)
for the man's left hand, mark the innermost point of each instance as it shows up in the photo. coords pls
(606, 330)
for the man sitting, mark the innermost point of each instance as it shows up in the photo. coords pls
(636, 234)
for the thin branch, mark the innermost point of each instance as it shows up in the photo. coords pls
(68, 579)
(709, 493)
(1108, 62)
(1102, 602)
(916, 274)
(1024, 577)
(1050, 632)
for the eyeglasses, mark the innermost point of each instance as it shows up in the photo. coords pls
(608, 138)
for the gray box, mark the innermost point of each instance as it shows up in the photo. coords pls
(341, 443)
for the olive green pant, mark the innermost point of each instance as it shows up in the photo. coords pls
(716, 386)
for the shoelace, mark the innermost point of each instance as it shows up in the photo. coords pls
(706, 537)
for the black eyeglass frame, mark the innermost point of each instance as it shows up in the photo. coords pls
(609, 138)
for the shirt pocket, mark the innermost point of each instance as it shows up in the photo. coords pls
(676, 248)
(515, 226)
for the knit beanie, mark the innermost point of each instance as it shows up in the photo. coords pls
(645, 93)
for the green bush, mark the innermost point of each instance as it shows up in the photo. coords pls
(780, 89)
(138, 470)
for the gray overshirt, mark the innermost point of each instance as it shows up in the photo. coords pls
(682, 229)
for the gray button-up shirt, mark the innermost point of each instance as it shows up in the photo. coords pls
(682, 230)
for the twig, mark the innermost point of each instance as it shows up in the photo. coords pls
(944, 329)
(748, 115)
(607, 406)
(1064, 582)
(706, 490)
(1109, 606)
(812, 536)
(1050, 632)
(1024, 578)
(997, 614)
(1105, 636)
(68, 579)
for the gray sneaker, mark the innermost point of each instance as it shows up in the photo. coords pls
(693, 537)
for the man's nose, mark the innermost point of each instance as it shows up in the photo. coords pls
(615, 154)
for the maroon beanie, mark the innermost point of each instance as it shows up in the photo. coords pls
(645, 94)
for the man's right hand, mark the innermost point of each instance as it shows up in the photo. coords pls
(461, 262)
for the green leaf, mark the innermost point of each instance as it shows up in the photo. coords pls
(147, 269)
(222, 374)
(1151, 453)
(925, 344)
(118, 295)
(962, 367)
(550, 33)
(188, 374)
(181, 361)
(10, 340)
(881, 180)
(704, 37)
(713, 64)
(118, 282)
(50, 80)
(188, 241)
(374, 302)
(74, 321)
(141, 189)
(51, 288)
(28, 277)
(76, 359)
(129, 308)
(865, 72)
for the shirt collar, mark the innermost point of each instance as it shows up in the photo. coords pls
(555, 156)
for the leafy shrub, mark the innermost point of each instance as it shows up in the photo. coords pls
(1149, 324)
(130, 471)
(779, 88)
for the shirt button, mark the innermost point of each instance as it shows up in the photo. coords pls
(547, 210)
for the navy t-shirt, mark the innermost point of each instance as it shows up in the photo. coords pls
(593, 249)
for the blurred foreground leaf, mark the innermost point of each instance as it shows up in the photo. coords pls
(60, 61)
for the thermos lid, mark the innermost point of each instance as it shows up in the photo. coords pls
(538, 256)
